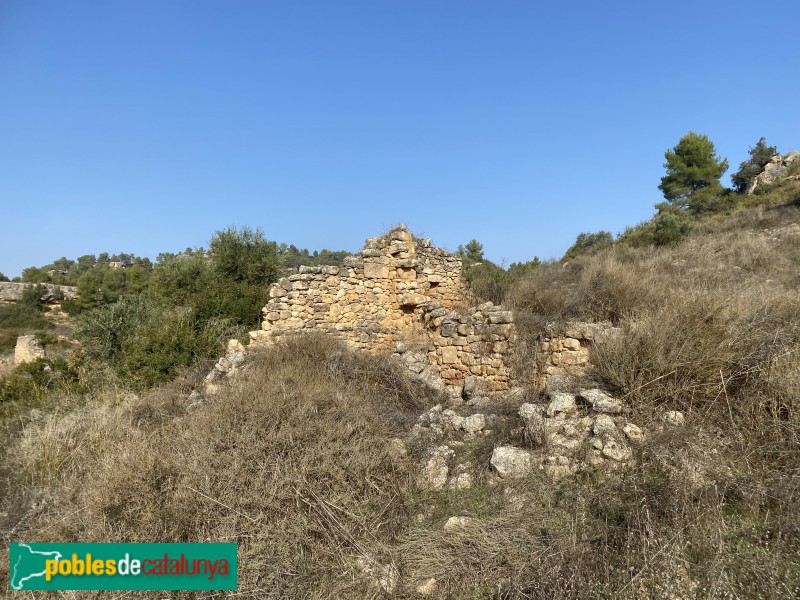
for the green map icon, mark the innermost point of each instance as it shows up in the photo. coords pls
(27, 564)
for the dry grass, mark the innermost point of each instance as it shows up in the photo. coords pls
(293, 460)
(710, 327)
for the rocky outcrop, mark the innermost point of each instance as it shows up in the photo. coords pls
(27, 349)
(779, 168)
(12, 292)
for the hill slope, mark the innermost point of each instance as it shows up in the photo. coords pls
(297, 459)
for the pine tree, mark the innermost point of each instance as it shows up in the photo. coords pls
(693, 172)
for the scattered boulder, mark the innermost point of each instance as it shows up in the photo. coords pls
(604, 426)
(458, 523)
(397, 449)
(511, 462)
(674, 418)
(474, 423)
(383, 576)
(601, 402)
(434, 474)
(427, 587)
(462, 481)
(561, 402)
(632, 432)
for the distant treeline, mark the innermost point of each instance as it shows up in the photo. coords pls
(105, 278)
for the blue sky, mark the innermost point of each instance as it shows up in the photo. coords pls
(144, 126)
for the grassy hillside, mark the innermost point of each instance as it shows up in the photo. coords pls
(296, 460)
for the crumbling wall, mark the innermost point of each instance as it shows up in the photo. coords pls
(402, 295)
(398, 292)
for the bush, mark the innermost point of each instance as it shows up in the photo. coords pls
(292, 460)
(27, 314)
(668, 228)
(245, 256)
(760, 155)
(487, 281)
(162, 346)
(104, 330)
(589, 243)
(30, 382)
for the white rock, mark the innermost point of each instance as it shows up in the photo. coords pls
(529, 411)
(561, 402)
(397, 448)
(474, 423)
(461, 482)
(509, 461)
(616, 451)
(451, 419)
(235, 346)
(27, 349)
(383, 576)
(603, 426)
(458, 523)
(674, 418)
(427, 587)
(633, 432)
(434, 473)
(601, 402)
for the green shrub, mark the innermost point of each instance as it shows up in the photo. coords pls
(487, 281)
(28, 383)
(103, 330)
(669, 228)
(162, 346)
(589, 243)
(28, 313)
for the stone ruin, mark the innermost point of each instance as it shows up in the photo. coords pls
(402, 295)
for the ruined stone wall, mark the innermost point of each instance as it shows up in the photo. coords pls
(398, 293)
(404, 296)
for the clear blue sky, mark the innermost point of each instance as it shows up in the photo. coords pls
(144, 126)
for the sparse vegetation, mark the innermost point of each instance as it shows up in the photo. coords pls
(295, 458)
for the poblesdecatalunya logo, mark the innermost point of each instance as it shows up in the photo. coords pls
(107, 566)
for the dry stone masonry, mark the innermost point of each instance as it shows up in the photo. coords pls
(402, 295)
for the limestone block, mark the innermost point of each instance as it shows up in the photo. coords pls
(503, 316)
(27, 349)
(376, 271)
(510, 462)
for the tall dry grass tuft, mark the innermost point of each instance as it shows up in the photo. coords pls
(292, 461)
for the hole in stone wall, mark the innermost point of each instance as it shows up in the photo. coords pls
(407, 310)
(434, 284)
